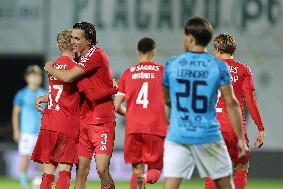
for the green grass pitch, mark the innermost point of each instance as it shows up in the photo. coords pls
(7, 183)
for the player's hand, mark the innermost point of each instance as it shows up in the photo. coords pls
(48, 66)
(16, 136)
(259, 139)
(242, 147)
(38, 101)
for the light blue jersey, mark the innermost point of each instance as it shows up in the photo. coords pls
(193, 80)
(29, 117)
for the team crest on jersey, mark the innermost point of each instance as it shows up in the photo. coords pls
(103, 148)
(183, 62)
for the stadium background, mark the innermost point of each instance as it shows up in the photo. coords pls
(28, 31)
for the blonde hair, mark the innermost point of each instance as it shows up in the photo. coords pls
(64, 40)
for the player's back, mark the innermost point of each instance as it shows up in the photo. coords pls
(193, 80)
(241, 78)
(142, 87)
(62, 111)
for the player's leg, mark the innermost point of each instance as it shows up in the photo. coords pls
(172, 183)
(102, 167)
(209, 183)
(178, 163)
(82, 172)
(48, 176)
(241, 175)
(103, 137)
(63, 155)
(133, 155)
(137, 180)
(153, 151)
(85, 152)
(241, 167)
(232, 147)
(26, 145)
(64, 176)
(213, 160)
(24, 160)
(224, 183)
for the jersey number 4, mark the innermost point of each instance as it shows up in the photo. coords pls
(59, 89)
(143, 95)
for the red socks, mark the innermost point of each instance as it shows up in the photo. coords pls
(152, 176)
(209, 183)
(240, 178)
(47, 181)
(112, 186)
(134, 182)
(63, 181)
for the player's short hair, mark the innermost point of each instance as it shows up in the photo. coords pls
(225, 43)
(64, 40)
(89, 30)
(32, 69)
(200, 29)
(146, 45)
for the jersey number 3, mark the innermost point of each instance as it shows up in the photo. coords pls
(143, 95)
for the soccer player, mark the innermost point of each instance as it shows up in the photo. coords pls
(97, 120)
(191, 81)
(60, 122)
(140, 86)
(243, 85)
(25, 118)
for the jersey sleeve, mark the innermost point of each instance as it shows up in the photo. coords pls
(165, 78)
(248, 82)
(225, 76)
(93, 60)
(121, 84)
(18, 99)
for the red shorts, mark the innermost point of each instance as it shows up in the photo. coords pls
(54, 147)
(144, 148)
(231, 141)
(98, 139)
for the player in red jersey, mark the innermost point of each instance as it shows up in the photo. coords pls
(60, 122)
(140, 86)
(97, 120)
(243, 85)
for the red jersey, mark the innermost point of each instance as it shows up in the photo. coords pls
(98, 75)
(242, 78)
(62, 111)
(141, 85)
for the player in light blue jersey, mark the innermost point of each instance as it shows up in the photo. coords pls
(26, 119)
(190, 85)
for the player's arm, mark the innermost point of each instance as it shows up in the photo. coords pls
(15, 122)
(254, 111)
(234, 113)
(166, 96)
(67, 76)
(38, 102)
(95, 94)
(118, 100)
